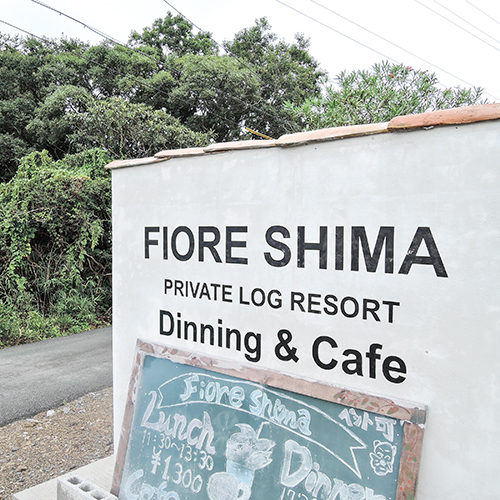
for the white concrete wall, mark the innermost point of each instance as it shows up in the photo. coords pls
(446, 330)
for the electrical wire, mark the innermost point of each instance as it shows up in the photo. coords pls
(456, 24)
(465, 21)
(203, 31)
(392, 43)
(372, 49)
(482, 11)
(249, 105)
(96, 31)
(188, 20)
(338, 32)
(109, 38)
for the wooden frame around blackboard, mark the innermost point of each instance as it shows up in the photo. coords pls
(414, 415)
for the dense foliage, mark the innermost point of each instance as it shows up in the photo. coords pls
(55, 247)
(379, 94)
(54, 92)
(67, 108)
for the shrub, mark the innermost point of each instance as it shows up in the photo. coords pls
(55, 247)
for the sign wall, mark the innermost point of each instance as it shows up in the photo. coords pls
(369, 263)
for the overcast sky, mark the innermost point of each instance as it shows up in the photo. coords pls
(465, 58)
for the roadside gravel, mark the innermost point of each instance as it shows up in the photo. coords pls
(53, 443)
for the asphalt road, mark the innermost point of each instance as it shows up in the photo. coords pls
(41, 376)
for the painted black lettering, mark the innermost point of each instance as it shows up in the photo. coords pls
(297, 299)
(390, 304)
(311, 303)
(179, 287)
(385, 235)
(252, 345)
(315, 352)
(339, 248)
(147, 241)
(371, 306)
(164, 317)
(373, 355)
(189, 253)
(237, 335)
(433, 259)
(165, 242)
(321, 246)
(194, 330)
(210, 244)
(344, 309)
(207, 328)
(330, 301)
(278, 245)
(388, 367)
(230, 244)
(357, 362)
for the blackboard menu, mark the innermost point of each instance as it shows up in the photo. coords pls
(194, 430)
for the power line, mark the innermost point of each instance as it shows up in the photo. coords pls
(388, 41)
(337, 31)
(189, 21)
(371, 48)
(482, 11)
(117, 42)
(96, 31)
(465, 21)
(456, 24)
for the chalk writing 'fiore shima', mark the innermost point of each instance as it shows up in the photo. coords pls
(261, 404)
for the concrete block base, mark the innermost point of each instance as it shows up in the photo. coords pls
(98, 473)
(75, 487)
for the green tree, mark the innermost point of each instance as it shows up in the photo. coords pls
(52, 126)
(45, 84)
(287, 73)
(214, 94)
(378, 95)
(11, 148)
(129, 130)
(246, 88)
(17, 104)
(50, 90)
(30, 70)
(174, 35)
(118, 71)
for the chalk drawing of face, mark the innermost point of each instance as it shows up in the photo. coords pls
(382, 458)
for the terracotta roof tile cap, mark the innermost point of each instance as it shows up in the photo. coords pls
(252, 144)
(454, 116)
(131, 163)
(329, 134)
(170, 153)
